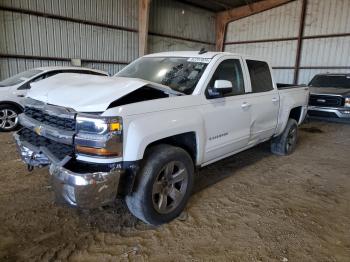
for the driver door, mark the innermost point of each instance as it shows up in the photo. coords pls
(227, 118)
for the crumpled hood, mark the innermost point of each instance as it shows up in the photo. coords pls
(330, 91)
(85, 93)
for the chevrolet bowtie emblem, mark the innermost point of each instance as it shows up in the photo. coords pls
(38, 130)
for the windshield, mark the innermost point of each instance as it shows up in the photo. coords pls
(179, 73)
(19, 78)
(338, 81)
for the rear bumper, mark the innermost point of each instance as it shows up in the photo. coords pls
(81, 189)
(329, 112)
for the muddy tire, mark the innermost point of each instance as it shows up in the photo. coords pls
(163, 185)
(8, 118)
(285, 143)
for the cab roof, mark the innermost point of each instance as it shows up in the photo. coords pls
(208, 55)
(188, 54)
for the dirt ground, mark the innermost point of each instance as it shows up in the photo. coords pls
(251, 207)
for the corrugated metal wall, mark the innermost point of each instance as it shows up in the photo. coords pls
(103, 33)
(281, 24)
(189, 28)
(277, 53)
(114, 12)
(40, 37)
(322, 18)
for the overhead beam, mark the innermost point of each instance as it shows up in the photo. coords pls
(218, 3)
(224, 17)
(144, 6)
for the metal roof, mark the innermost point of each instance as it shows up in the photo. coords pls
(218, 5)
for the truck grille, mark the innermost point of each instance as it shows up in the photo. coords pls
(57, 149)
(326, 101)
(50, 120)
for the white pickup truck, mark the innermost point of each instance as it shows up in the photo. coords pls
(140, 134)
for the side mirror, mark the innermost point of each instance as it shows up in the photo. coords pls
(223, 86)
(220, 88)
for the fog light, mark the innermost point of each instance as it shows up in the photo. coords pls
(346, 112)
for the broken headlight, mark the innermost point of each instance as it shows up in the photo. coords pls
(99, 136)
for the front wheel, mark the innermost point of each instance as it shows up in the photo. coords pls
(8, 118)
(163, 186)
(286, 142)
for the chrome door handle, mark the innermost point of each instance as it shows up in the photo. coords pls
(245, 105)
(275, 99)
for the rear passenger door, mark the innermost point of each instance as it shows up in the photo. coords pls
(263, 101)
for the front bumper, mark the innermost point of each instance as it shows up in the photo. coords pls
(82, 189)
(329, 112)
(86, 190)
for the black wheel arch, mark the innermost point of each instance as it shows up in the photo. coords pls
(186, 141)
(295, 113)
(13, 104)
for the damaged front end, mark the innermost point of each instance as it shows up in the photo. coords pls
(49, 137)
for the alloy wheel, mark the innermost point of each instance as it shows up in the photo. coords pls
(169, 187)
(8, 119)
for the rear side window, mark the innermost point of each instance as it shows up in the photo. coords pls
(260, 76)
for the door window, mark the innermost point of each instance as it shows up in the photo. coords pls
(229, 70)
(260, 76)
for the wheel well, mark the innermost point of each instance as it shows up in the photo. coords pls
(186, 141)
(295, 113)
(19, 107)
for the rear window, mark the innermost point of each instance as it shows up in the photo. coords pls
(338, 81)
(260, 76)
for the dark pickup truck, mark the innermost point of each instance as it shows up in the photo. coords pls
(330, 96)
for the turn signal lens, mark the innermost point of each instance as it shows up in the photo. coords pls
(115, 126)
(96, 151)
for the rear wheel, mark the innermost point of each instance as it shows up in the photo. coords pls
(164, 185)
(8, 118)
(285, 143)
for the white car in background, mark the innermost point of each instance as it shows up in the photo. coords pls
(15, 88)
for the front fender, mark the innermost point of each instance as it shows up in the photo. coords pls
(145, 129)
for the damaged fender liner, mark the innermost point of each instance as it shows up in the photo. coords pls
(142, 94)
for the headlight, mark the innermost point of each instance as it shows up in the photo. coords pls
(347, 102)
(98, 126)
(101, 136)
